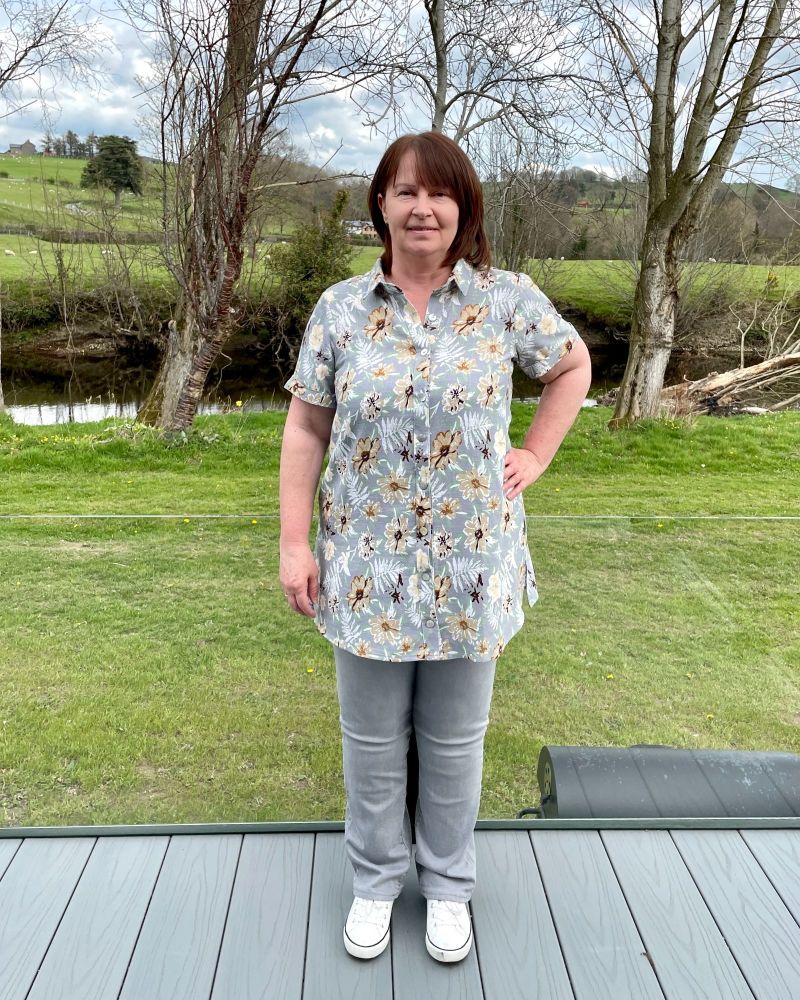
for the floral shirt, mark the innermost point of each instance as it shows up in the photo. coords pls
(420, 553)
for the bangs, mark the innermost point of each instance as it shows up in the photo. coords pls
(431, 169)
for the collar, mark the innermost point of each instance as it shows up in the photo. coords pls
(461, 276)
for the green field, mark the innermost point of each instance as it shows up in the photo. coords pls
(150, 670)
(35, 273)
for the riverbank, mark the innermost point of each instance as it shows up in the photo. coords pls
(151, 672)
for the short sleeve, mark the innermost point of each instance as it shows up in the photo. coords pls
(541, 336)
(314, 373)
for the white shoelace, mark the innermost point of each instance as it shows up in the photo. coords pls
(369, 911)
(446, 913)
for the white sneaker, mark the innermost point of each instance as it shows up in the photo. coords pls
(366, 933)
(448, 936)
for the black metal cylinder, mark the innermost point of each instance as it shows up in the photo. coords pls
(643, 781)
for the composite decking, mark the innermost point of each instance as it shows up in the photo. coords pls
(587, 909)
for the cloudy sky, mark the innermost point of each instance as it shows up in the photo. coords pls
(320, 128)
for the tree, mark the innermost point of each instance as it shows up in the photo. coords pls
(501, 79)
(116, 166)
(228, 73)
(43, 41)
(318, 256)
(72, 141)
(697, 78)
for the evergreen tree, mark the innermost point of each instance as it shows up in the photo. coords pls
(71, 139)
(116, 166)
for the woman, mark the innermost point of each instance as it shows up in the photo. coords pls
(421, 554)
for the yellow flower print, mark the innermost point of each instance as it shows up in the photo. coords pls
(358, 595)
(393, 487)
(363, 648)
(384, 629)
(366, 454)
(445, 448)
(477, 532)
(421, 508)
(491, 349)
(448, 508)
(465, 365)
(470, 320)
(379, 323)
(406, 351)
(463, 625)
(473, 484)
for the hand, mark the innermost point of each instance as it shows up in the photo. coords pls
(522, 468)
(299, 577)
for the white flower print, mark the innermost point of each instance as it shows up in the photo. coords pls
(476, 531)
(487, 390)
(384, 628)
(404, 391)
(547, 325)
(454, 397)
(315, 337)
(371, 405)
(442, 544)
(366, 545)
(393, 487)
(397, 534)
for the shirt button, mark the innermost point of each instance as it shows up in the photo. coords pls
(430, 623)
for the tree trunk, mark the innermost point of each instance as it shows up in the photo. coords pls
(117, 199)
(191, 351)
(652, 332)
(436, 12)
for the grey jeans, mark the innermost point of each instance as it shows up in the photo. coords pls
(447, 702)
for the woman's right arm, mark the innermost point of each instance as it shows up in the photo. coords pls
(305, 439)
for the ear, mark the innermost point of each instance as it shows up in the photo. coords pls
(381, 203)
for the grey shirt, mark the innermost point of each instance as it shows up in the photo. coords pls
(420, 553)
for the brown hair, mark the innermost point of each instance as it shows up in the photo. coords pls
(440, 162)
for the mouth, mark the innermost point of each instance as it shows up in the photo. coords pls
(421, 229)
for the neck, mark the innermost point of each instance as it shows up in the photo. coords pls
(418, 272)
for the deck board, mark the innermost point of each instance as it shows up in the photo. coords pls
(680, 935)
(562, 911)
(515, 937)
(604, 955)
(176, 953)
(263, 948)
(760, 931)
(34, 893)
(89, 955)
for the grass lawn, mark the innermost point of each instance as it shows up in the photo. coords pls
(151, 672)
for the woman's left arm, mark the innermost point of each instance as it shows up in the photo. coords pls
(566, 385)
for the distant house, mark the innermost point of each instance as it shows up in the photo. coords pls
(357, 227)
(26, 148)
(583, 203)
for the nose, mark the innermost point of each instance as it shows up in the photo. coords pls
(422, 205)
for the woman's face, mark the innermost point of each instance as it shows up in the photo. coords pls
(421, 222)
